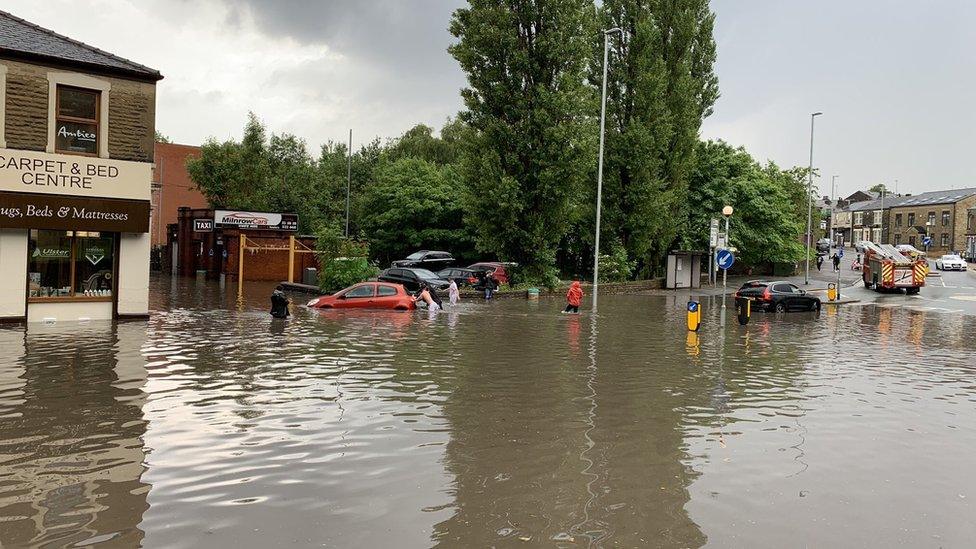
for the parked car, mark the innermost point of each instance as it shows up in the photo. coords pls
(779, 296)
(426, 259)
(463, 277)
(412, 278)
(366, 295)
(950, 262)
(823, 245)
(496, 268)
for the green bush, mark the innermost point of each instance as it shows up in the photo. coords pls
(342, 272)
(614, 267)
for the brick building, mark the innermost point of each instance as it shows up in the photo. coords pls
(172, 188)
(77, 128)
(942, 215)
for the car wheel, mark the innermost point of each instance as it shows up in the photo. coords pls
(815, 306)
(781, 307)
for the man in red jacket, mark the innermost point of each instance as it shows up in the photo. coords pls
(573, 298)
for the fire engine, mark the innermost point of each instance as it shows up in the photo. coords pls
(885, 268)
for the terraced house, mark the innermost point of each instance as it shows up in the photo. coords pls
(77, 127)
(943, 216)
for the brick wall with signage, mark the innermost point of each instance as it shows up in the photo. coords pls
(131, 116)
(266, 265)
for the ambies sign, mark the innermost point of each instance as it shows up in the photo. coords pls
(255, 220)
(40, 211)
(70, 175)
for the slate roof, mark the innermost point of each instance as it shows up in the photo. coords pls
(23, 39)
(931, 198)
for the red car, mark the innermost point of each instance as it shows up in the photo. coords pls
(496, 268)
(367, 295)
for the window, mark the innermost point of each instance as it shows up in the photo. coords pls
(70, 265)
(858, 218)
(945, 218)
(911, 220)
(897, 220)
(76, 121)
(931, 221)
(944, 241)
(365, 290)
(969, 222)
(782, 289)
(897, 239)
(911, 240)
(385, 291)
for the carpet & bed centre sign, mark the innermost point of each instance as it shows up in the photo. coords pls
(71, 175)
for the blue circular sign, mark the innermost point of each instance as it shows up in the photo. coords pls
(692, 306)
(724, 259)
(926, 240)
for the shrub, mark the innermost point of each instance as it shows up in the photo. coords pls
(342, 272)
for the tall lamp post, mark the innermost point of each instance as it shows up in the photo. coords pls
(833, 205)
(806, 275)
(599, 169)
(348, 179)
(727, 212)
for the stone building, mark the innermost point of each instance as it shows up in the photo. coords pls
(77, 129)
(941, 215)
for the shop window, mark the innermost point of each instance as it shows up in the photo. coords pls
(71, 265)
(897, 220)
(911, 220)
(944, 241)
(76, 121)
(945, 218)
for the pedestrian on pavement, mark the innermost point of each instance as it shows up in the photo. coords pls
(452, 293)
(573, 298)
(820, 260)
(836, 259)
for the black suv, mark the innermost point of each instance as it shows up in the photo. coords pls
(779, 296)
(426, 259)
(412, 278)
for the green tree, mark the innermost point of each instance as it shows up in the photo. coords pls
(413, 204)
(160, 138)
(660, 86)
(770, 204)
(880, 188)
(526, 100)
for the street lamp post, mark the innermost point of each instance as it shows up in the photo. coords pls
(348, 179)
(727, 212)
(806, 276)
(833, 206)
(599, 169)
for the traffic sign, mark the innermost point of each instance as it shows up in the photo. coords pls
(713, 233)
(692, 306)
(724, 259)
(926, 240)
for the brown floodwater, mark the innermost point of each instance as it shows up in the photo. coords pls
(501, 424)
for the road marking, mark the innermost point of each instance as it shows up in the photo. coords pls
(963, 297)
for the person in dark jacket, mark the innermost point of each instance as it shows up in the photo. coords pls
(490, 285)
(836, 260)
(279, 303)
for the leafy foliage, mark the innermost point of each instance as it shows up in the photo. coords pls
(344, 261)
(527, 156)
(769, 204)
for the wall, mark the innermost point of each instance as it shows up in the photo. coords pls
(13, 273)
(173, 187)
(267, 265)
(131, 116)
(921, 216)
(133, 284)
(960, 219)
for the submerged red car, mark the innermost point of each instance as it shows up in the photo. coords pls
(367, 295)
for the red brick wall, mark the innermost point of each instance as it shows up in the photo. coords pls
(267, 265)
(172, 187)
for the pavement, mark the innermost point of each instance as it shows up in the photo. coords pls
(944, 292)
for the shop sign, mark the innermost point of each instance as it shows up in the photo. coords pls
(255, 220)
(203, 225)
(44, 211)
(71, 175)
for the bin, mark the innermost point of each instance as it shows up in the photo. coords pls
(532, 293)
(310, 276)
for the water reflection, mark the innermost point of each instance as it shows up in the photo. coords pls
(71, 439)
(487, 425)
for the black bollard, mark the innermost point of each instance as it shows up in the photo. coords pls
(743, 308)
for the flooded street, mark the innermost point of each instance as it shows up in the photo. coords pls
(500, 424)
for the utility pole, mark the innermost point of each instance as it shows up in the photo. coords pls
(806, 276)
(833, 204)
(599, 169)
(348, 179)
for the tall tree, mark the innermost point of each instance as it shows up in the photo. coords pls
(660, 86)
(526, 105)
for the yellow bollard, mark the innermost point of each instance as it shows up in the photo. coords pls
(694, 316)
(743, 309)
(831, 292)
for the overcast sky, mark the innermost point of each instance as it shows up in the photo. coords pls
(894, 78)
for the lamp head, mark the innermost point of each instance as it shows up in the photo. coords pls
(818, 113)
(727, 211)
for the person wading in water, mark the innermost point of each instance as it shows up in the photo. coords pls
(279, 302)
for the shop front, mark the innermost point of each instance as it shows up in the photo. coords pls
(74, 242)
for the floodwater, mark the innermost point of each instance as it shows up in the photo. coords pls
(503, 424)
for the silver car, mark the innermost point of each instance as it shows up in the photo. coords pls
(950, 262)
